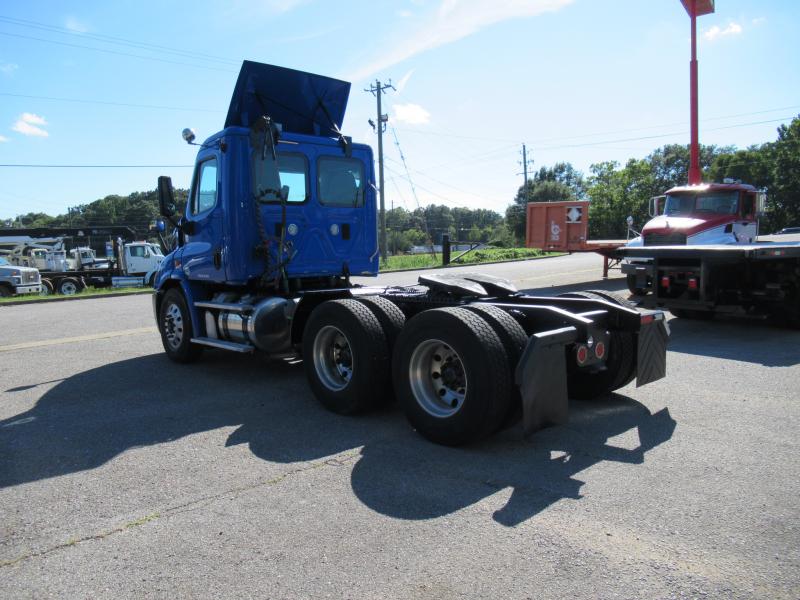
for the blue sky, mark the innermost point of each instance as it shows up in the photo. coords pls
(113, 83)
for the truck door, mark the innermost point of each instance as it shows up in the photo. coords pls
(203, 253)
(134, 259)
(746, 227)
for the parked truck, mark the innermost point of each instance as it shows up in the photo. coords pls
(68, 273)
(696, 214)
(18, 280)
(282, 213)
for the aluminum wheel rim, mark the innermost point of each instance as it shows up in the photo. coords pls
(333, 358)
(438, 379)
(173, 326)
(68, 288)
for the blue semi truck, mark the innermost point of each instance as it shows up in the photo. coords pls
(282, 213)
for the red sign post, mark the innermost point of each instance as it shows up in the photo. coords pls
(695, 8)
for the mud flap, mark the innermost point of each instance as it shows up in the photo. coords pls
(542, 379)
(652, 349)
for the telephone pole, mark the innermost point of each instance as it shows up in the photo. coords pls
(524, 173)
(377, 89)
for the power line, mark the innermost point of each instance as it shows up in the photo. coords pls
(33, 166)
(110, 103)
(109, 39)
(115, 52)
(588, 135)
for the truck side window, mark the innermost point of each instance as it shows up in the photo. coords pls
(341, 181)
(206, 195)
(748, 205)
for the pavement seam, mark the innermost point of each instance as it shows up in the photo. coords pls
(333, 461)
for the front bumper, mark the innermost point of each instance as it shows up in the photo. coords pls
(35, 288)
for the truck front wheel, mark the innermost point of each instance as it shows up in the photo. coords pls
(452, 376)
(346, 356)
(175, 326)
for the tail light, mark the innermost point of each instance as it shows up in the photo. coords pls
(692, 283)
(599, 349)
(665, 281)
(582, 354)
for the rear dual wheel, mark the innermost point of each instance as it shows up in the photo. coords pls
(346, 356)
(452, 376)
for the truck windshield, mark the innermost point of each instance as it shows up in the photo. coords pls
(685, 205)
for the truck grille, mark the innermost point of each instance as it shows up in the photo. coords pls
(665, 239)
(30, 277)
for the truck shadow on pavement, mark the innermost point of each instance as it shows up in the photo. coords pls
(736, 339)
(92, 417)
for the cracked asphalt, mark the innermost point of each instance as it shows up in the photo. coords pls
(123, 475)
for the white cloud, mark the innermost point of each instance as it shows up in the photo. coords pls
(404, 81)
(32, 119)
(8, 68)
(3, 139)
(404, 14)
(412, 114)
(759, 21)
(717, 32)
(75, 25)
(29, 124)
(284, 6)
(454, 20)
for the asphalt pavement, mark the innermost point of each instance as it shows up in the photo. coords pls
(125, 475)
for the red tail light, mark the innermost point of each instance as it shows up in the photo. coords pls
(692, 283)
(665, 281)
(599, 349)
(582, 354)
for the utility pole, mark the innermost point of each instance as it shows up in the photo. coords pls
(377, 89)
(524, 173)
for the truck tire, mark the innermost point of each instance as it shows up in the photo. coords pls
(514, 340)
(615, 298)
(388, 314)
(620, 364)
(636, 291)
(452, 376)
(175, 326)
(5, 291)
(47, 288)
(69, 286)
(346, 356)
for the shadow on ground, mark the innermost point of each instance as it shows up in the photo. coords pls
(736, 339)
(88, 419)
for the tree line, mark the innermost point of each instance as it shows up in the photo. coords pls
(615, 192)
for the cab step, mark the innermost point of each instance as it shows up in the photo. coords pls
(223, 345)
(226, 306)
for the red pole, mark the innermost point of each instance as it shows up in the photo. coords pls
(695, 176)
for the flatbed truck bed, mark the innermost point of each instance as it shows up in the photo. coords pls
(757, 280)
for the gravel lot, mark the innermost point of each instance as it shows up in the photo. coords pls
(124, 475)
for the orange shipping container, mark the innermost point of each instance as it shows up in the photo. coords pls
(557, 226)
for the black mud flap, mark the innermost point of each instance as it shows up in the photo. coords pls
(542, 379)
(652, 349)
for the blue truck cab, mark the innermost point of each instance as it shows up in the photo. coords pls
(282, 211)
